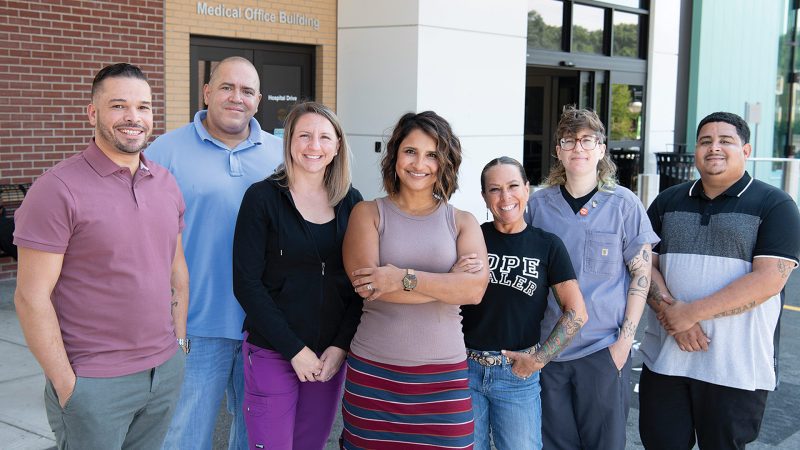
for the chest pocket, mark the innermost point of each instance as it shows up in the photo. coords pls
(602, 254)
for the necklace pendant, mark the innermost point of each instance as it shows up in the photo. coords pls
(584, 212)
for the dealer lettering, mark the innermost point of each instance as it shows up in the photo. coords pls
(500, 269)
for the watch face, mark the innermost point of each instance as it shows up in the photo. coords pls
(409, 282)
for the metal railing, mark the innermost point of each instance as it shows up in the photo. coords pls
(783, 173)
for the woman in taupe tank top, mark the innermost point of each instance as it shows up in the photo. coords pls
(407, 372)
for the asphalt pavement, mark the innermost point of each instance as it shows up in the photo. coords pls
(23, 423)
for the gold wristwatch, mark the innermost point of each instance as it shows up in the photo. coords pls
(410, 280)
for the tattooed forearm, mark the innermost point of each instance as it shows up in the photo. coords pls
(173, 302)
(639, 287)
(639, 268)
(565, 330)
(737, 310)
(654, 296)
(628, 329)
(783, 269)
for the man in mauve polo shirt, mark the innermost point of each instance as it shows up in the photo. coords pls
(102, 285)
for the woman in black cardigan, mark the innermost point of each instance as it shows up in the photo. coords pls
(301, 312)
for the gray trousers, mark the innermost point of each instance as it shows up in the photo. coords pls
(127, 412)
(585, 403)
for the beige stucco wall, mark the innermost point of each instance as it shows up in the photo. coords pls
(182, 21)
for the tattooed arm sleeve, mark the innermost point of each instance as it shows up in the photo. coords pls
(573, 317)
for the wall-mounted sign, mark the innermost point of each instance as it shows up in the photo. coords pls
(257, 15)
(281, 98)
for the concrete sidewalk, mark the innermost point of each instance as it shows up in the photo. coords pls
(23, 423)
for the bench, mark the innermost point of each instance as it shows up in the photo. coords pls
(11, 196)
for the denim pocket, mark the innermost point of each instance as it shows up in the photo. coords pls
(508, 368)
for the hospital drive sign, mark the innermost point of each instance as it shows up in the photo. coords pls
(256, 15)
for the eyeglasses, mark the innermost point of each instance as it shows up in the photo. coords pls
(587, 143)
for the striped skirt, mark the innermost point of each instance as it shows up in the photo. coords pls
(396, 407)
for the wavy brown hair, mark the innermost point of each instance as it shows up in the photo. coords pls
(573, 120)
(448, 152)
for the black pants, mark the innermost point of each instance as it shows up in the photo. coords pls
(585, 403)
(673, 409)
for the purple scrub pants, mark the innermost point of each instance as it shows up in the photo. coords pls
(282, 413)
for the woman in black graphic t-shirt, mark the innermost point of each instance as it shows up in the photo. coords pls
(502, 332)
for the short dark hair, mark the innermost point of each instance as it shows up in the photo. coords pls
(499, 161)
(448, 152)
(742, 129)
(116, 70)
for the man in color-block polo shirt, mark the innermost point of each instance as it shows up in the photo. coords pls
(102, 285)
(728, 245)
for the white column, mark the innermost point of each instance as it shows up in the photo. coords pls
(465, 60)
(662, 85)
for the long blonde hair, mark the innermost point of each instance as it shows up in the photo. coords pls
(572, 120)
(337, 177)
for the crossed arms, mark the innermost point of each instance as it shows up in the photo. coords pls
(682, 320)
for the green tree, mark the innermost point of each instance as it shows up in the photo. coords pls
(626, 40)
(585, 41)
(542, 35)
(623, 120)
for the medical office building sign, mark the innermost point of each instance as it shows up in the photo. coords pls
(205, 9)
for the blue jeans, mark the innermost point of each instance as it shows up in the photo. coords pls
(508, 409)
(213, 368)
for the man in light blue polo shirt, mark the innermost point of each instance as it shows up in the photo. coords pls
(215, 159)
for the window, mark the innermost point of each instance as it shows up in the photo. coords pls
(626, 112)
(544, 24)
(588, 26)
(626, 34)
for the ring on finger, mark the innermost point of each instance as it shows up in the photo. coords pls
(369, 286)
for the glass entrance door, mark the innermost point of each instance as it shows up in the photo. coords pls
(285, 72)
(547, 91)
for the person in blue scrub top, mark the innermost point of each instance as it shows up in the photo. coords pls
(586, 389)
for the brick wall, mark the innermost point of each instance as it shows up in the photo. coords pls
(49, 53)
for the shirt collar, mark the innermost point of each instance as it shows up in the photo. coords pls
(103, 165)
(735, 190)
(253, 139)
